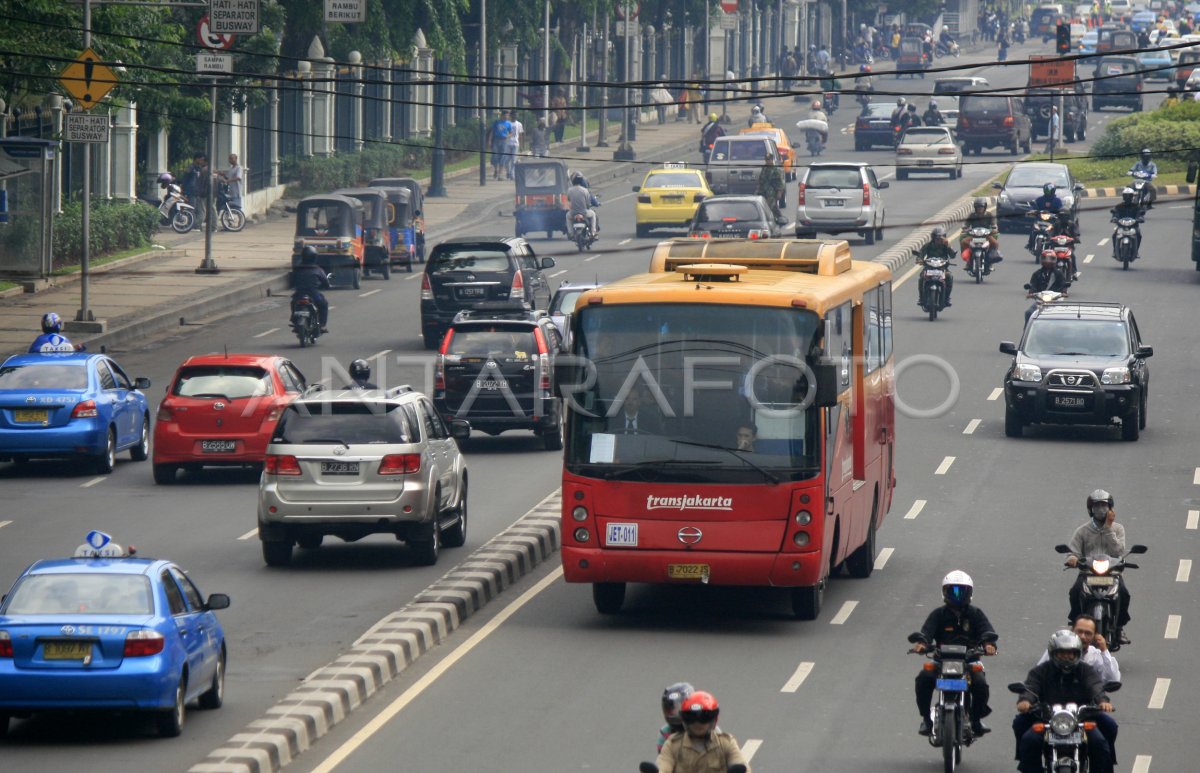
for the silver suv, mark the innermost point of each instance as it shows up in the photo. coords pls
(836, 197)
(350, 463)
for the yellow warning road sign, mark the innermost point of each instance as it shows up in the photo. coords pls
(87, 80)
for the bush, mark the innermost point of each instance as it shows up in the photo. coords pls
(1175, 128)
(114, 227)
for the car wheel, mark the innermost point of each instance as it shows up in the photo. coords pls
(141, 452)
(608, 597)
(861, 562)
(277, 553)
(879, 231)
(310, 541)
(164, 474)
(105, 462)
(1142, 413)
(456, 535)
(869, 236)
(1131, 424)
(1013, 427)
(3, 725)
(356, 278)
(425, 552)
(170, 722)
(553, 441)
(387, 270)
(807, 600)
(859, 146)
(216, 691)
(807, 235)
(642, 231)
(1015, 147)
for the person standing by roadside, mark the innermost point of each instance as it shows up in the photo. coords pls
(539, 139)
(202, 186)
(661, 99)
(558, 104)
(694, 98)
(513, 146)
(1053, 130)
(233, 177)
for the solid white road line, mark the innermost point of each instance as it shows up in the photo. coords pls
(380, 355)
(1141, 764)
(265, 333)
(412, 693)
(915, 510)
(589, 260)
(972, 425)
(252, 533)
(995, 395)
(1158, 698)
(1181, 206)
(623, 242)
(844, 613)
(4, 523)
(414, 276)
(1173, 623)
(92, 482)
(1102, 242)
(558, 273)
(882, 559)
(370, 292)
(750, 747)
(1185, 570)
(1088, 258)
(802, 672)
(944, 466)
(907, 275)
(1193, 520)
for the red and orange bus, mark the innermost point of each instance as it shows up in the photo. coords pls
(759, 447)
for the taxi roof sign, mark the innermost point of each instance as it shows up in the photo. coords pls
(675, 165)
(87, 80)
(99, 545)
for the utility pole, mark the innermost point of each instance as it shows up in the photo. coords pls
(625, 152)
(583, 79)
(602, 142)
(485, 111)
(437, 170)
(208, 265)
(546, 65)
(84, 314)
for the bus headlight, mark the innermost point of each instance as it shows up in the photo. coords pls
(801, 539)
(803, 518)
(582, 535)
(579, 513)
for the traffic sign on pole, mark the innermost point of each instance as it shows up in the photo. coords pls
(87, 80)
(729, 6)
(222, 63)
(209, 38)
(85, 127)
(346, 11)
(234, 16)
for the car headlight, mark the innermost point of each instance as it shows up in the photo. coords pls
(1004, 197)
(1115, 376)
(1063, 724)
(1027, 373)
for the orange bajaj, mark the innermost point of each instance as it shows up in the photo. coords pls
(333, 225)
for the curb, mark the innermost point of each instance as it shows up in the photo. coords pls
(1162, 190)
(329, 694)
(902, 253)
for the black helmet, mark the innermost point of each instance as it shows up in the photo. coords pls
(1145, 155)
(308, 255)
(1100, 497)
(360, 370)
(980, 203)
(577, 179)
(51, 323)
(165, 179)
(672, 700)
(1065, 641)
(1049, 189)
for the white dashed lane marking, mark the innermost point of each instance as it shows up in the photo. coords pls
(589, 260)
(906, 277)
(1158, 698)
(369, 293)
(5, 523)
(1141, 764)
(1193, 520)
(1173, 623)
(844, 613)
(413, 276)
(252, 533)
(1185, 570)
(92, 482)
(882, 559)
(623, 242)
(944, 467)
(995, 395)
(802, 672)
(1088, 258)
(915, 510)
(380, 355)
(1196, 477)
(558, 273)
(266, 333)
(750, 747)
(1102, 242)
(972, 425)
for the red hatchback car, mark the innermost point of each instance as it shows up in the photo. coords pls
(220, 411)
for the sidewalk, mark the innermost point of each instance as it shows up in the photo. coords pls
(158, 291)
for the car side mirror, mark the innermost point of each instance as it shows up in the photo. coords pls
(913, 638)
(637, 188)
(547, 262)
(781, 220)
(217, 601)
(141, 382)
(1061, 549)
(826, 376)
(884, 184)
(1008, 347)
(1139, 549)
(1144, 351)
(998, 186)
(1077, 187)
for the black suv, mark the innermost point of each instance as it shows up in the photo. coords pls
(1118, 84)
(1074, 107)
(1078, 363)
(463, 273)
(494, 370)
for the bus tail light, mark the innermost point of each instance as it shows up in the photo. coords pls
(579, 513)
(801, 539)
(582, 535)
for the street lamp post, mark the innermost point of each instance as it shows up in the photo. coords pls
(602, 142)
(484, 111)
(437, 169)
(583, 79)
(625, 152)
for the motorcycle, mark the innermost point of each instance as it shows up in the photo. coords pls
(1125, 240)
(1064, 254)
(581, 232)
(230, 218)
(1041, 298)
(933, 280)
(1144, 193)
(306, 320)
(1044, 225)
(830, 100)
(814, 142)
(1101, 589)
(1018, 33)
(975, 252)
(881, 52)
(176, 211)
(1065, 727)
(950, 715)
(942, 49)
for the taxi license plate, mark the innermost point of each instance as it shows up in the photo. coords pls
(672, 199)
(31, 416)
(1069, 401)
(339, 468)
(687, 571)
(66, 650)
(834, 202)
(1101, 581)
(218, 446)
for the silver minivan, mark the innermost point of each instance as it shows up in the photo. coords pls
(836, 197)
(736, 161)
(351, 463)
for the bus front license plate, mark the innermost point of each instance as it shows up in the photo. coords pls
(687, 571)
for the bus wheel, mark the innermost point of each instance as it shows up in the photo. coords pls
(806, 601)
(861, 562)
(608, 597)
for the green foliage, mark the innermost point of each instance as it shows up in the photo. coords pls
(113, 227)
(1175, 128)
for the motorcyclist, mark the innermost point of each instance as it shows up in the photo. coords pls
(1064, 678)
(1145, 164)
(958, 622)
(980, 217)
(815, 113)
(51, 341)
(899, 111)
(909, 119)
(864, 86)
(360, 375)
(1048, 277)
(771, 185)
(933, 116)
(832, 87)
(709, 134)
(1047, 202)
(672, 699)
(700, 746)
(579, 198)
(757, 116)
(946, 39)
(1129, 208)
(1101, 535)
(938, 247)
(309, 279)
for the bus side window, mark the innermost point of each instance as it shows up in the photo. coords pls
(873, 314)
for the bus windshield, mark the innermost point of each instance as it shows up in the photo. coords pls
(692, 393)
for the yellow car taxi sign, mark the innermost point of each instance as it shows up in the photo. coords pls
(675, 165)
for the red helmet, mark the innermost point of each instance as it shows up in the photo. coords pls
(1049, 255)
(700, 706)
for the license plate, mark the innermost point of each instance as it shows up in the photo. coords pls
(491, 385)
(39, 416)
(218, 446)
(952, 685)
(339, 468)
(834, 202)
(924, 162)
(672, 199)
(1069, 401)
(935, 274)
(687, 571)
(470, 292)
(1101, 581)
(66, 650)
(621, 535)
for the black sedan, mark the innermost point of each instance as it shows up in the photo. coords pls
(737, 217)
(873, 126)
(1024, 184)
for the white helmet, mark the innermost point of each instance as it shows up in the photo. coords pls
(756, 109)
(957, 587)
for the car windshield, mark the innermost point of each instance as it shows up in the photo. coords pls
(826, 177)
(926, 137)
(499, 342)
(642, 413)
(44, 376)
(972, 104)
(565, 300)
(1081, 337)
(331, 219)
(716, 211)
(347, 422)
(1036, 177)
(446, 260)
(76, 594)
(230, 382)
(1114, 67)
(879, 110)
(673, 180)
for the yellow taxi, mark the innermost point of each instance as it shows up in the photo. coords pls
(781, 141)
(668, 197)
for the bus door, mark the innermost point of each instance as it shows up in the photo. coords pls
(839, 443)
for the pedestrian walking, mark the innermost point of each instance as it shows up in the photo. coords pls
(558, 104)
(662, 99)
(497, 140)
(1002, 47)
(512, 146)
(694, 99)
(539, 139)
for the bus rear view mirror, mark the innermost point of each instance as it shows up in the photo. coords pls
(826, 375)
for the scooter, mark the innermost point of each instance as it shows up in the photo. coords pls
(305, 320)
(950, 714)
(1044, 225)
(1065, 727)
(174, 210)
(975, 252)
(941, 49)
(1101, 589)
(1144, 193)
(1064, 255)
(1125, 240)
(581, 232)
(933, 280)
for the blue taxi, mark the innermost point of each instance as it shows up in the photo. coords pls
(106, 629)
(72, 405)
